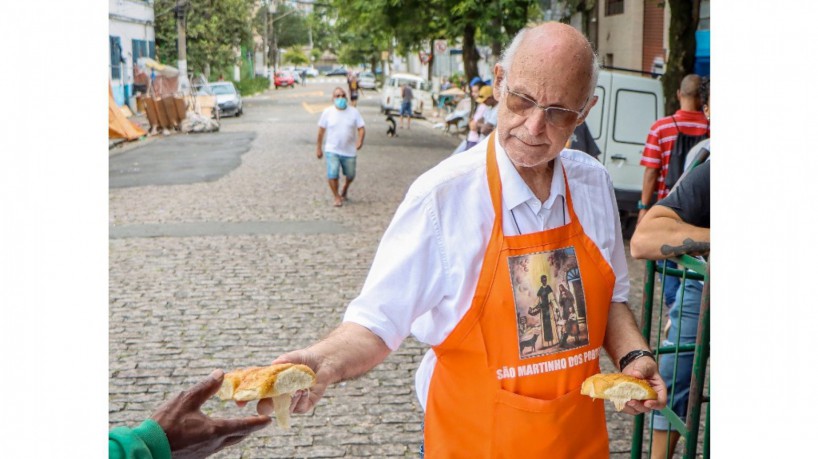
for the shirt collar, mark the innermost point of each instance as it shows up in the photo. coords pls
(515, 190)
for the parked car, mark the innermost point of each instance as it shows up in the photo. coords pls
(366, 80)
(227, 98)
(284, 79)
(391, 93)
(340, 71)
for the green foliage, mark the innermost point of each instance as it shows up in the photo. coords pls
(215, 30)
(296, 56)
(365, 28)
(250, 86)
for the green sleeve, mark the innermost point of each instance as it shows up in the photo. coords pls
(148, 441)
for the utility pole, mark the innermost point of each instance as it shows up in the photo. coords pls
(264, 45)
(273, 7)
(181, 9)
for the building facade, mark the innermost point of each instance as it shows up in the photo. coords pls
(633, 34)
(130, 36)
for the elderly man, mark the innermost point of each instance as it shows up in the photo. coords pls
(460, 261)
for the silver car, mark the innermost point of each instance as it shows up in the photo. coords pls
(227, 98)
(366, 80)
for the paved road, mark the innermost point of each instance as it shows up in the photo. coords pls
(233, 271)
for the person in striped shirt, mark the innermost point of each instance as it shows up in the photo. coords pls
(690, 120)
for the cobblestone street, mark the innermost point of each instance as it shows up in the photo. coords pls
(270, 269)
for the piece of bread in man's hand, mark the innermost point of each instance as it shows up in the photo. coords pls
(278, 382)
(617, 388)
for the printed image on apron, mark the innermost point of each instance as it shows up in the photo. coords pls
(549, 302)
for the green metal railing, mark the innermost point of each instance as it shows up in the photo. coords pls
(696, 270)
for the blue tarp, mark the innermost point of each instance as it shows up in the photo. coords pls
(702, 64)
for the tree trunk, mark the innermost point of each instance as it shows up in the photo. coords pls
(496, 46)
(470, 54)
(431, 63)
(684, 19)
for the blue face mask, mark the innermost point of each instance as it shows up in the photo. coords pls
(341, 103)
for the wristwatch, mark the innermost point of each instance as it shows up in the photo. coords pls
(641, 205)
(633, 355)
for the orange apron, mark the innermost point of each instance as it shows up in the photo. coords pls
(507, 379)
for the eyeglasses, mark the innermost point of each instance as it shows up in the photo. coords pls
(335, 96)
(557, 116)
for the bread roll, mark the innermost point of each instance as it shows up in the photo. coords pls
(617, 388)
(278, 382)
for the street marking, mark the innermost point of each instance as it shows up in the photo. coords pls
(314, 108)
(299, 95)
(204, 229)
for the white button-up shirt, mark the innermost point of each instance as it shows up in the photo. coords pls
(426, 268)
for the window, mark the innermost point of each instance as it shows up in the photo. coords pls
(614, 7)
(631, 125)
(143, 48)
(116, 57)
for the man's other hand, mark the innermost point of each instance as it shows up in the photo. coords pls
(647, 369)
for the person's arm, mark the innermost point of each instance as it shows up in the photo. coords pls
(621, 337)
(346, 353)
(319, 149)
(180, 427)
(663, 234)
(361, 135)
(648, 187)
(148, 441)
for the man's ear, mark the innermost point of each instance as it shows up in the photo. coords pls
(498, 79)
(587, 110)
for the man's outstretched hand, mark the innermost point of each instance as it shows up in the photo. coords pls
(302, 400)
(191, 433)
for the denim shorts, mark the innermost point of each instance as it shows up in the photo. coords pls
(406, 109)
(684, 323)
(336, 162)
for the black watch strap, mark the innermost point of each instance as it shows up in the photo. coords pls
(633, 355)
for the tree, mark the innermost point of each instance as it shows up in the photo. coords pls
(684, 20)
(286, 28)
(216, 30)
(367, 27)
(295, 56)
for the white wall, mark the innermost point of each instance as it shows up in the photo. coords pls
(129, 20)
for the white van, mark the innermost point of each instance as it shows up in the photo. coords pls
(619, 123)
(391, 93)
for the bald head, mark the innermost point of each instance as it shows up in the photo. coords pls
(551, 65)
(554, 43)
(689, 91)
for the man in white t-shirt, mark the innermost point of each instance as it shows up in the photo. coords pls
(344, 130)
(460, 264)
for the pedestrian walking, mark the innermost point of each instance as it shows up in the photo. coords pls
(443, 272)
(352, 82)
(343, 128)
(406, 105)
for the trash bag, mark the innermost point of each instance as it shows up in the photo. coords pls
(196, 123)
